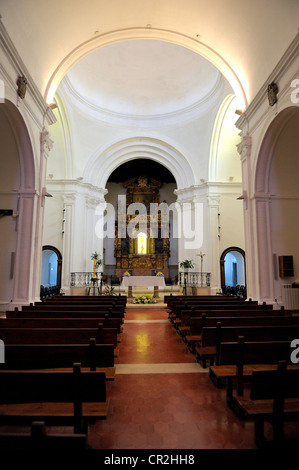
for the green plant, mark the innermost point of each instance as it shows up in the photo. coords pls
(96, 259)
(186, 264)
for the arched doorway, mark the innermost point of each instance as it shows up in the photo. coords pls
(233, 271)
(51, 270)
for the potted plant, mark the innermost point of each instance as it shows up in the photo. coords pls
(97, 261)
(186, 264)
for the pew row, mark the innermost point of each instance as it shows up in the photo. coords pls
(212, 337)
(196, 324)
(57, 322)
(274, 396)
(38, 438)
(59, 335)
(70, 398)
(92, 356)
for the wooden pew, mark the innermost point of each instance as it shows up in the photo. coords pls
(69, 398)
(76, 307)
(61, 323)
(197, 323)
(92, 356)
(213, 336)
(59, 335)
(183, 325)
(86, 298)
(274, 396)
(64, 313)
(40, 439)
(175, 317)
(237, 361)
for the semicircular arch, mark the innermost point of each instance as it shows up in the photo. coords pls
(103, 163)
(146, 33)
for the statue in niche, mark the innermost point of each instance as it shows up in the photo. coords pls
(22, 86)
(272, 93)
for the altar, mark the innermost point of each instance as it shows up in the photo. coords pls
(143, 281)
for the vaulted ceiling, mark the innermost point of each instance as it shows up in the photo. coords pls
(243, 38)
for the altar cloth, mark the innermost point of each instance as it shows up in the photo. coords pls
(144, 281)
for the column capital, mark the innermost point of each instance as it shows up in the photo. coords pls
(244, 147)
(213, 200)
(46, 144)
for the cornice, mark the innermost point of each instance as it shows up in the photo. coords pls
(260, 101)
(20, 69)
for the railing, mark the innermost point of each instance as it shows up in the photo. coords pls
(83, 279)
(194, 279)
(290, 297)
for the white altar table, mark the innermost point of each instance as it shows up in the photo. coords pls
(143, 281)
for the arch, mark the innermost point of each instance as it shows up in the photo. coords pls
(104, 162)
(265, 154)
(276, 202)
(59, 262)
(18, 194)
(227, 251)
(146, 33)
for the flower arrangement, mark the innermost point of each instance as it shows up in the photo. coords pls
(109, 290)
(127, 274)
(159, 274)
(144, 299)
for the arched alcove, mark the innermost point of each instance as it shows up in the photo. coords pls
(276, 199)
(17, 182)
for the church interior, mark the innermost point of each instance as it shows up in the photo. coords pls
(150, 151)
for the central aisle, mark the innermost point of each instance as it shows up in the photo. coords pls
(161, 398)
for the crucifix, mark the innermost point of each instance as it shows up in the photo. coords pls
(201, 263)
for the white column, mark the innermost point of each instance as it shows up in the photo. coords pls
(25, 258)
(214, 248)
(252, 283)
(46, 145)
(68, 207)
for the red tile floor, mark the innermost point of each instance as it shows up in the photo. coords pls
(161, 398)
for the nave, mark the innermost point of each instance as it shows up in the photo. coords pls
(161, 398)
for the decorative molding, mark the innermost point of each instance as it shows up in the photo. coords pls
(189, 112)
(260, 100)
(21, 70)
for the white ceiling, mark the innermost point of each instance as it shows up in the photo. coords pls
(143, 78)
(248, 37)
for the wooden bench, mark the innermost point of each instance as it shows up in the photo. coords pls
(212, 337)
(237, 361)
(175, 317)
(70, 398)
(274, 396)
(196, 324)
(59, 335)
(92, 356)
(65, 313)
(60, 322)
(76, 307)
(40, 439)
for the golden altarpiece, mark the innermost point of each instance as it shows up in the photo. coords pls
(147, 252)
